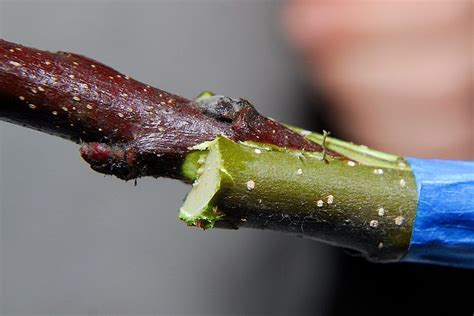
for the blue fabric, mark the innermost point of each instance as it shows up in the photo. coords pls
(443, 232)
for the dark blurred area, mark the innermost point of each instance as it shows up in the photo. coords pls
(393, 75)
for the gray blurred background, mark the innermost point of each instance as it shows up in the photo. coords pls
(76, 243)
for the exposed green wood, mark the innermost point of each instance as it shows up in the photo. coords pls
(368, 206)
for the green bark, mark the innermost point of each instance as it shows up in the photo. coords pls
(366, 203)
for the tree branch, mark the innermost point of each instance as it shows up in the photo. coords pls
(129, 129)
(248, 170)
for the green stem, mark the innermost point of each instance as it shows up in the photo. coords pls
(366, 204)
(355, 152)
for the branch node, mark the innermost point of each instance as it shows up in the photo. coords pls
(325, 135)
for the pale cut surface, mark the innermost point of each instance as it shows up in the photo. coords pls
(198, 203)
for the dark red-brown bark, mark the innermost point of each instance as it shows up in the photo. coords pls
(127, 128)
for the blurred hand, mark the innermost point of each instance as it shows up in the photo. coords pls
(400, 73)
